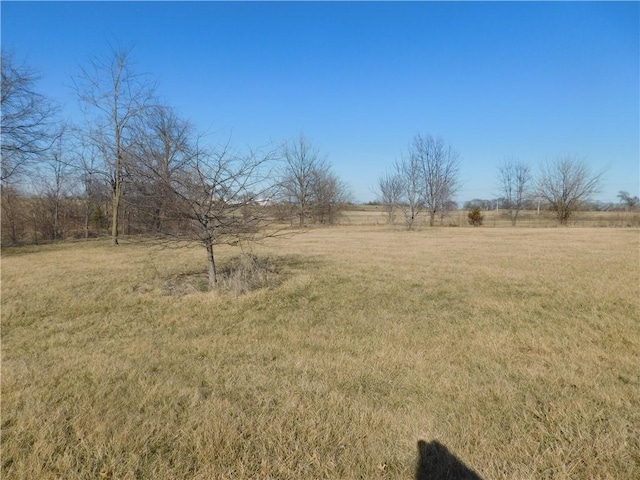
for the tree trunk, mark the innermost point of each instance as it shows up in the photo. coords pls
(563, 215)
(35, 230)
(211, 264)
(86, 223)
(56, 220)
(115, 210)
(432, 217)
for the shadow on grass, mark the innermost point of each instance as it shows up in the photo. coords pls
(436, 462)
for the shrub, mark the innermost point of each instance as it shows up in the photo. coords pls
(475, 217)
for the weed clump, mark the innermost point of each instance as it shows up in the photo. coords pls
(237, 276)
(247, 273)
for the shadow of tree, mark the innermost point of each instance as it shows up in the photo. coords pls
(436, 462)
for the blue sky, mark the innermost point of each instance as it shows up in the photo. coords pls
(532, 80)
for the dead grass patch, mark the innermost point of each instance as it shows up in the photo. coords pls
(237, 275)
(516, 349)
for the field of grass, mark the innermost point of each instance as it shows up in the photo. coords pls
(376, 215)
(516, 350)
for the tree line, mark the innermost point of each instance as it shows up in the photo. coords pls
(425, 180)
(135, 166)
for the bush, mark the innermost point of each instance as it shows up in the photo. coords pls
(475, 217)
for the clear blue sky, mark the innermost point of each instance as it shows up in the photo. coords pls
(495, 80)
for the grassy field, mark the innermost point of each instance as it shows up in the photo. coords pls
(376, 215)
(516, 350)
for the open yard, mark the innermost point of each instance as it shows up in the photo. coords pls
(516, 350)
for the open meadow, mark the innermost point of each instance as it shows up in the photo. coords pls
(377, 215)
(516, 350)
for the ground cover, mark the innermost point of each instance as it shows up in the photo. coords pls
(517, 350)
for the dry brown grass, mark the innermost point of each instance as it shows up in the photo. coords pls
(376, 215)
(517, 349)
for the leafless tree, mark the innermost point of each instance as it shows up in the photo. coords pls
(390, 193)
(163, 148)
(440, 165)
(565, 183)
(300, 170)
(409, 175)
(514, 178)
(114, 97)
(447, 207)
(93, 184)
(429, 178)
(13, 214)
(629, 202)
(27, 126)
(330, 195)
(54, 184)
(221, 198)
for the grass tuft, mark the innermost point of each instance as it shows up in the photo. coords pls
(247, 273)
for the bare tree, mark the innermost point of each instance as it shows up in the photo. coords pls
(163, 148)
(330, 195)
(221, 198)
(440, 165)
(298, 174)
(115, 97)
(514, 178)
(448, 207)
(565, 183)
(409, 175)
(390, 193)
(55, 183)
(629, 202)
(13, 214)
(429, 178)
(27, 126)
(93, 185)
